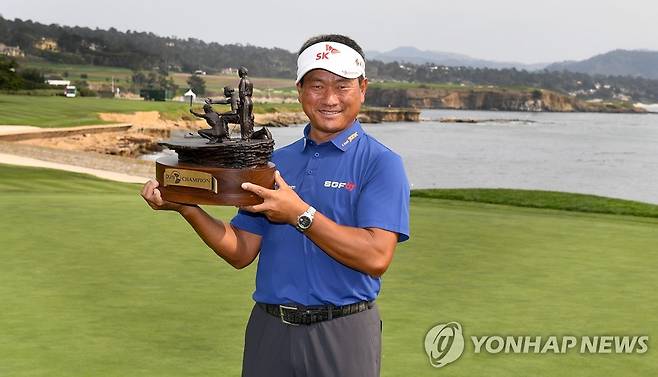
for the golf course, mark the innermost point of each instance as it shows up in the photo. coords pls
(57, 111)
(95, 283)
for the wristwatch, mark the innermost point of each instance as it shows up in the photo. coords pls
(305, 220)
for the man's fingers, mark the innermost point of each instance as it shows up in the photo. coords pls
(157, 197)
(254, 208)
(151, 194)
(256, 189)
(278, 179)
(149, 186)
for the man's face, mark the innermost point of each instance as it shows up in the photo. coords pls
(330, 101)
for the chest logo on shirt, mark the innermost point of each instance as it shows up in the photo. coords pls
(349, 186)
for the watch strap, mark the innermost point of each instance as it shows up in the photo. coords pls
(309, 213)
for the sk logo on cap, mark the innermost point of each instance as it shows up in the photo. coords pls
(328, 50)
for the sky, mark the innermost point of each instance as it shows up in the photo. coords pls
(503, 30)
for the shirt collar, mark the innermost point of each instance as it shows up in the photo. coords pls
(344, 140)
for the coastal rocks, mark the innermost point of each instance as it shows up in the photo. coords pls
(280, 119)
(367, 115)
(486, 99)
(131, 143)
(492, 120)
(378, 115)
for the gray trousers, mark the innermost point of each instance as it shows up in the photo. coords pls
(345, 347)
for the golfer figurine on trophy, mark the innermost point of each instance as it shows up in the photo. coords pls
(211, 167)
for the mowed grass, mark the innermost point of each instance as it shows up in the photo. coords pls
(123, 77)
(53, 111)
(95, 283)
(64, 112)
(544, 199)
(216, 83)
(95, 73)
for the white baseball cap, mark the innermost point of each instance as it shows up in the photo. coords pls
(331, 56)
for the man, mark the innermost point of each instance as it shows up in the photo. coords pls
(230, 97)
(246, 90)
(218, 127)
(324, 236)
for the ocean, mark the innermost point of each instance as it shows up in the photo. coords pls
(614, 155)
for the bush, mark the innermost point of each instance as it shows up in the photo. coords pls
(86, 92)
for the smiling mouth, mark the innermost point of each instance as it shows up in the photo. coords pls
(329, 112)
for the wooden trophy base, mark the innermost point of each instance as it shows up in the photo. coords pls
(196, 184)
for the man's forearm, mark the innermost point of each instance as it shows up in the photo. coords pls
(219, 236)
(367, 250)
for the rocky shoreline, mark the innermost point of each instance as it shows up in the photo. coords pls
(490, 99)
(138, 134)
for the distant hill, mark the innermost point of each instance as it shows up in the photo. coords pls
(144, 51)
(637, 63)
(141, 50)
(416, 56)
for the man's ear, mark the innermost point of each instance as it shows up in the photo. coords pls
(363, 87)
(299, 91)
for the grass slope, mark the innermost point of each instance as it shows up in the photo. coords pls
(216, 83)
(62, 112)
(94, 73)
(95, 283)
(543, 199)
(52, 111)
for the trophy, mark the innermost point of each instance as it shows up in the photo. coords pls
(211, 166)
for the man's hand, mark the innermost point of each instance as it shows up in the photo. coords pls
(282, 205)
(153, 198)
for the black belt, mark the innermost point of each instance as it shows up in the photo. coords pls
(306, 315)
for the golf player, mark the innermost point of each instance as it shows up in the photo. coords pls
(324, 236)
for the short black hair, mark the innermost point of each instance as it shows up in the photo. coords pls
(338, 38)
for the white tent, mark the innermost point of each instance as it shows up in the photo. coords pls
(189, 95)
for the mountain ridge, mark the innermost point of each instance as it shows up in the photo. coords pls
(410, 54)
(619, 62)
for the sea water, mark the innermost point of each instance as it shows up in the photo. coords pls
(614, 155)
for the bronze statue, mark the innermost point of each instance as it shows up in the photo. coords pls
(263, 133)
(210, 168)
(218, 126)
(246, 90)
(241, 113)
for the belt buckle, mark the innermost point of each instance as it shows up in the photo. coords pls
(281, 308)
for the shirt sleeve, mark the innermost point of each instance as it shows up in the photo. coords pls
(384, 199)
(251, 222)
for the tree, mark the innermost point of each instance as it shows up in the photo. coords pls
(32, 78)
(8, 77)
(197, 84)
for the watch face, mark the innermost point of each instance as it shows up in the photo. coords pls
(304, 222)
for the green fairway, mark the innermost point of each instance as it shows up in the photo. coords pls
(52, 111)
(63, 112)
(94, 283)
(543, 199)
(216, 83)
(94, 73)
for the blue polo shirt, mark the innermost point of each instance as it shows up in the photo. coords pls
(355, 181)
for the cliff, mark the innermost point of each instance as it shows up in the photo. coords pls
(378, 115)
(367, 115)
(486, 99)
